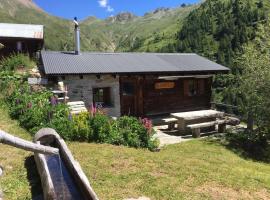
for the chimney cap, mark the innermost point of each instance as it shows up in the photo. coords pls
(76, 22)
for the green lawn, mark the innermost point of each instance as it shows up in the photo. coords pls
(197, 169)
(17, 181)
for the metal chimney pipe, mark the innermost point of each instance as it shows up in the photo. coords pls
(77, 36)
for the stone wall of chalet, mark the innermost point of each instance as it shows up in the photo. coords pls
(80, 88)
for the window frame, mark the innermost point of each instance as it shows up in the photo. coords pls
(198, 86)
(133, 88)
(193, 85)
(104, 99)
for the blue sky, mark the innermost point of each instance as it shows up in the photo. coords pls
(104, 8)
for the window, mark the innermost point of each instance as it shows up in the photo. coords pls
(81, 77)
(128, 89)
(102, 97)
(194, 87)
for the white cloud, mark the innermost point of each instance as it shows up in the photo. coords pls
(105, 4)
(110, 9)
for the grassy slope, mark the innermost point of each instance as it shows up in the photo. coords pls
(119, 36)
(16, 181)
(193, 170)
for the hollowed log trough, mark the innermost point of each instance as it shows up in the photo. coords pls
(61, 177)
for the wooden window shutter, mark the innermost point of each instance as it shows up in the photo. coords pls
(186, 87)
(201, 86)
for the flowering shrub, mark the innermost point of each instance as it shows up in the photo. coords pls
(35, 110)
(128, 131)
(39, 109)
(82, 131)
(134, 132)
(101, 125)
(16, 61)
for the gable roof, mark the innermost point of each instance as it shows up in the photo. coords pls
(21, 31)
(57, 63)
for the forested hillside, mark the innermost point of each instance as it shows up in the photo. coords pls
(219, 28)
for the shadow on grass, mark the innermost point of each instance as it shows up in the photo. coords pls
(245, 145)
(33, 178)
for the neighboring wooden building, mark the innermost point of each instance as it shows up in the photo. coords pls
(138, 84)
(20, 38)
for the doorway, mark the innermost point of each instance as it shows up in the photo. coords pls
(128, 96)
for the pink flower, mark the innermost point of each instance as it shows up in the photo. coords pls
(147, 123)
(93, 110)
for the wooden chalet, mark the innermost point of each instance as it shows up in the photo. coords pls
(20, 38)
(138, 84)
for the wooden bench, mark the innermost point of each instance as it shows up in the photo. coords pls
(170, 121)
(196, 128)
(192, 117)
(77, 107)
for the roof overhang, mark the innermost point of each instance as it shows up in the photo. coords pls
(171, 78)
(160, 74)
(21, 31)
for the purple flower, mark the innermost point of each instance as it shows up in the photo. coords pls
(54, 101)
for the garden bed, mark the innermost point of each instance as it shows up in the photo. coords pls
(36, 109)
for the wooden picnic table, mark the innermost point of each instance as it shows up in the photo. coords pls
(185, 117)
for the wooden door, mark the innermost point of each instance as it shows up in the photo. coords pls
(128, 96)
(132, 97)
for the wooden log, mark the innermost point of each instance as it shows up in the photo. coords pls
(45, 177)
(181, 125)
(196, 132)
(222, 128)
(75, 103)
(202, 125)
(201, 114)
(50, 136)
(171, 125)
(77, 171)
(233, 121)
(11, 140)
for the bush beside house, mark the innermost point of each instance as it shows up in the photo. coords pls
(35, 109)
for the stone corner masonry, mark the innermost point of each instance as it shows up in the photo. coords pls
(80, 88)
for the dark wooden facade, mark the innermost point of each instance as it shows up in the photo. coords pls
(28, 46)
(149, 95)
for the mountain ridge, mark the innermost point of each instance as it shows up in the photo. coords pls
(122, 32)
